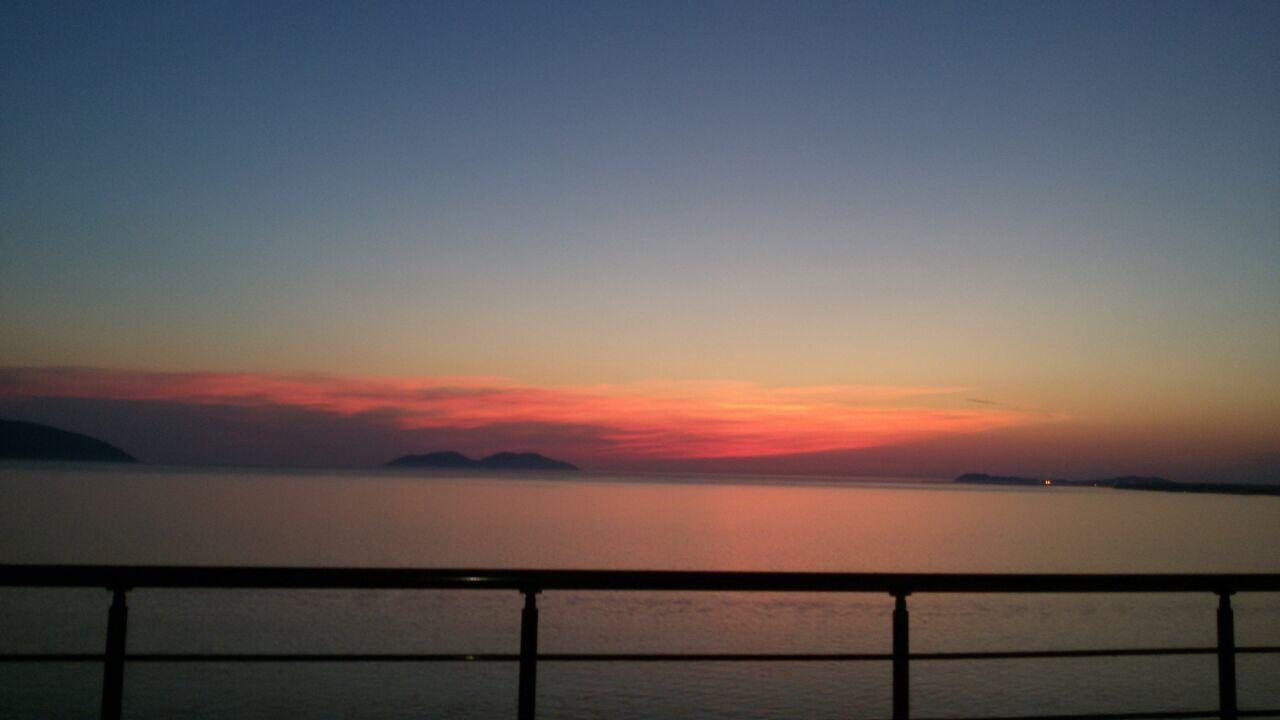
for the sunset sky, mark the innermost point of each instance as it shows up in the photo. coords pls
(848, 238)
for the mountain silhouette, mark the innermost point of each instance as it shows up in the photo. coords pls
(497, 461)
(32, 441)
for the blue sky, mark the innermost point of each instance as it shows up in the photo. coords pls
(1072, 208)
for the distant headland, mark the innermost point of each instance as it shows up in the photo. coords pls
(1126, 482)
(497, 461)
(33, 441)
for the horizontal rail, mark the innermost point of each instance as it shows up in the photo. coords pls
(160, 576)
(1165, 715)
(618, 657)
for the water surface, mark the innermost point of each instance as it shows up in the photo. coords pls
(256, 517)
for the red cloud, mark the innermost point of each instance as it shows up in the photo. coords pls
(652, 419)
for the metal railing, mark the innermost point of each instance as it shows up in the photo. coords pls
(120, 579)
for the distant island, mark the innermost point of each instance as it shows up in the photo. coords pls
(985, 479)
(497, 461)
(33, 441)
(1126, 482)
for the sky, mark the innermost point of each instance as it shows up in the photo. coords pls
(896, 238)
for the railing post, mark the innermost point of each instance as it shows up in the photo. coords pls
(901, 651)
(113, 668)
(528, 655)
(1226, 658)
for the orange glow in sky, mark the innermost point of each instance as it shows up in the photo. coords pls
(651, 419)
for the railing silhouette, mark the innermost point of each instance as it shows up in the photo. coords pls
(120, 579)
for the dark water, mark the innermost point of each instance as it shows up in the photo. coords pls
(151, 515)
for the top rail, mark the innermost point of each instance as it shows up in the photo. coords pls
(160, 576)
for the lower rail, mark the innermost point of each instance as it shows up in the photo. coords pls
(120, 579)
(612, 657)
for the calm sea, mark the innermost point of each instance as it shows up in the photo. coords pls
(81, 514)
